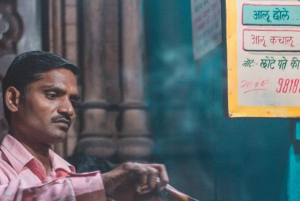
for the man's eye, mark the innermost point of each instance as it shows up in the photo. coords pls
(51, 95)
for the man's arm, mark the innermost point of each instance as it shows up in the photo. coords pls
(120, 184)
(82, 187)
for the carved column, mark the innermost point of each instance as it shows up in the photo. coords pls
(4, 26)
(19, 32)
(56, 20)
(99, 32)
(60, 36)
(71, 54)
(55, 17)
(11, 31)
(134, 142)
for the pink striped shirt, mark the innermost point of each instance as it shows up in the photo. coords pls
(22, 177)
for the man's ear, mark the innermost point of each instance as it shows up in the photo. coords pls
(12, 98)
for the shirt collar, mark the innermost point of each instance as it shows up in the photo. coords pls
(18, 156)
(59, 162)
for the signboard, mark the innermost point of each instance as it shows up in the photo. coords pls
(263, 58)
(206, 22)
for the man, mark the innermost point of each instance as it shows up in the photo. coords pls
(39, 93)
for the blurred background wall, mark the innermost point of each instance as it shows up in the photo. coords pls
(146, 99)
(208, 155)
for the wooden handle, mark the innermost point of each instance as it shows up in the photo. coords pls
(172, 194)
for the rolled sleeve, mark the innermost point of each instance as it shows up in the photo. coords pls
(55, 190)
(86, 183)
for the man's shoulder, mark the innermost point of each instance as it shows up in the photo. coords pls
(4, 162)
(2, 156)
(13, 156)
(6, 171)
(2, 135)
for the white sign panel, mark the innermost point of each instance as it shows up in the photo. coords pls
(271, 40)
(206, 22)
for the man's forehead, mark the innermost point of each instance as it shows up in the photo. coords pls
(59, 78)
(59, 73)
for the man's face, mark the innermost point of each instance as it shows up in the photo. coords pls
(46, 112)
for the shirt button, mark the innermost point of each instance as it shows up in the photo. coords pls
(87, 179)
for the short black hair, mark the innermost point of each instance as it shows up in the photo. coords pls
(25, 69)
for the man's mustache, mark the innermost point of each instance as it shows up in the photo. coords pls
(62, 118)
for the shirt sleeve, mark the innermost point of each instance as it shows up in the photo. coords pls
(79, 187)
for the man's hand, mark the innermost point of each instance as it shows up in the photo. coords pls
(123, 182)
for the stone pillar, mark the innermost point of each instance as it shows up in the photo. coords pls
(20, 27)
(99, 52)
(60, 37)
(134, 142)
(55, 17)
(56, 27)
(71, 54)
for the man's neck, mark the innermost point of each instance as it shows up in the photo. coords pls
(41, 153)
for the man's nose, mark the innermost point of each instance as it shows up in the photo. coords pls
(66, 107)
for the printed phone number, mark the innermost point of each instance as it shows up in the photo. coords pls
(288, 85)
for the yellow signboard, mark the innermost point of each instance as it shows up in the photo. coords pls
(263, 58)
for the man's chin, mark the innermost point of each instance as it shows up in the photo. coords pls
(63, 127)
(58, 138)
